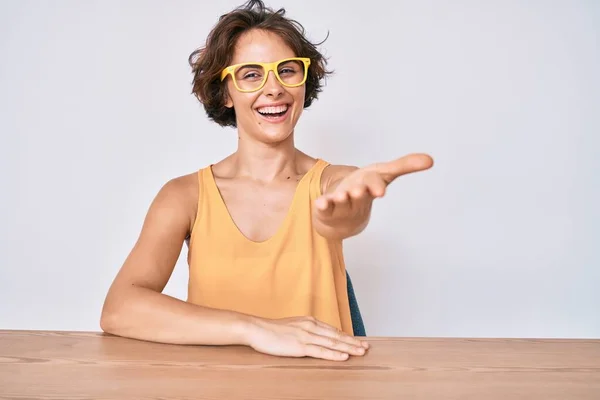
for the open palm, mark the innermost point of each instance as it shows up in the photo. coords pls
(353, 196)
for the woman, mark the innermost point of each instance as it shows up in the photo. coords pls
(265, 225)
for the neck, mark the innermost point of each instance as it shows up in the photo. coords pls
(265, 161)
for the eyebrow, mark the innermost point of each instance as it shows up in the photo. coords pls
(250, 66)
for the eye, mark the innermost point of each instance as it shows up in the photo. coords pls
(290, 68)
(287, 70)
(249, 73)
(252, 76)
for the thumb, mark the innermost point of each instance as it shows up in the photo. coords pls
(408, 164)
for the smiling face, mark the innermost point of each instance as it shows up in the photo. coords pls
(270, 114)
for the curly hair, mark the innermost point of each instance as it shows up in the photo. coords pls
(207, 62)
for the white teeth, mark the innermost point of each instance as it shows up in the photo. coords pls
(273, 110)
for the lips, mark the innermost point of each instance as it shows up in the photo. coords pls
(271, 110)
(274, 113)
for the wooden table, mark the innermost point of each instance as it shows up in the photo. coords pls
(81, 365)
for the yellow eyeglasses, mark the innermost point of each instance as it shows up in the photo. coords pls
(250, 77)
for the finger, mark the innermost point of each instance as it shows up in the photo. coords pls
(375, 185)
(359, 192)
(315, 351)
(324, 329)
(405, 165)
(314, 325)
(340, 196)
(324, 205)
(341, 202)
(335, 343)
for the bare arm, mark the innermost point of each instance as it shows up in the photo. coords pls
(136, 308)
(344, 209)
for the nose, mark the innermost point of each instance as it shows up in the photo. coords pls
(272, 86)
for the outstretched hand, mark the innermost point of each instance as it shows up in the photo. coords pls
(349, 204)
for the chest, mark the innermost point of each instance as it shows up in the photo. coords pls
(258, 211)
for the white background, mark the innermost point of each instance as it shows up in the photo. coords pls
(499, 239)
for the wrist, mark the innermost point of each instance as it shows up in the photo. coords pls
(245, 329)
(340, 230)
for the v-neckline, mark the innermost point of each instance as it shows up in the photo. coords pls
(282, 226)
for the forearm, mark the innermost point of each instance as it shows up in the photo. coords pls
(142, 313)
(340, 229)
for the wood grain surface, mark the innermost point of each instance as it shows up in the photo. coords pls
(88, 365)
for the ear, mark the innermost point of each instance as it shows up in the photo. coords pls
(228, 100)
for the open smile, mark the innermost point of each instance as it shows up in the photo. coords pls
(274, 114)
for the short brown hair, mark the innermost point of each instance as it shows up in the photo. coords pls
(208, 62)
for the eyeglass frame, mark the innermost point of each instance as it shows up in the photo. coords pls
(267, 67)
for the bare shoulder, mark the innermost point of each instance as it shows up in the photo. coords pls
(184, 187)
(165, 227)
(179, 195)
(334, 173)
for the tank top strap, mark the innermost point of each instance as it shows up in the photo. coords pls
(200, 178)
(210, 195)
(315, 181)
(295, 272)
(208, 187)
(204, 177)
(204, 192)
